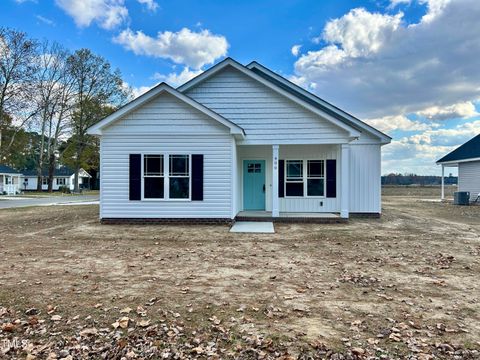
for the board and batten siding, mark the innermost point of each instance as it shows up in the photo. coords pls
(365, 179)
(469, 178)
(166, 125)
(266, 116)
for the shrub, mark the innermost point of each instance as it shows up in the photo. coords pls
(64, 189)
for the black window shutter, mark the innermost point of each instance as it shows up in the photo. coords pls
(135, 172)
(331, 178)
(197, 177)
(281, 178)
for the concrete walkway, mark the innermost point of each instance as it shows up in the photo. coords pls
(13, 202)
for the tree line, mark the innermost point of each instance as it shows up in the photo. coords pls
(49, 97)
(413, 179)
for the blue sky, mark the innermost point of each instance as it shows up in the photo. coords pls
(408, 67)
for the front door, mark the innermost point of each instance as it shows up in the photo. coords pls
(254, 184)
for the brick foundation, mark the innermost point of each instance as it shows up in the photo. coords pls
(167, 221)
(365, 215)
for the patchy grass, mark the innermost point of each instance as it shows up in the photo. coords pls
(400, 285)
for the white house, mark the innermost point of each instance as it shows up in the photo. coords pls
(62, 176)
(236, 142)
(467, 159)
(9, 180)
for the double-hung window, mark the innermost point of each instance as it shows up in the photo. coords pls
(305, 178)
(294, 178)
(166, 176)
(179, 176)
(61, 181)
(44, 180)
(315, 178)
(153, 177)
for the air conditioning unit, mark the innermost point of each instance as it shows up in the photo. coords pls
(461, 198)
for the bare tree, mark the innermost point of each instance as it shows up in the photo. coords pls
(96, 85)
(18, 65)
(54, 87)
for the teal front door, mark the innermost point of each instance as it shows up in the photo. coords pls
(254, 184)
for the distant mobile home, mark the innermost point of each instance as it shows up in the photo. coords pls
(467, 159)
(236, 142)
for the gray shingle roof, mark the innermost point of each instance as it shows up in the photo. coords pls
(469, 150)
(63, 171)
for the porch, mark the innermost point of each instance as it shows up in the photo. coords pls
(9, 184)
(286, 217)
(297, 182)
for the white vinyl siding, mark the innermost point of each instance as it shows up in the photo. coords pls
(266, 116)
(115, 176)
(469, 178)
(365, 179)
(166, 114)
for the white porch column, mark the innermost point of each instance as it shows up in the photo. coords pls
(275, 207)
(443, 182)
(345, 181)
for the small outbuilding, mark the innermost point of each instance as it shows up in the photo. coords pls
(467, 159)
(9, 180)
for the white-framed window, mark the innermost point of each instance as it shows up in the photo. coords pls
(294, 178)
(153, 177)
(61, 181)
(167, 176)
(25, 181)
(44, 180)
(315, 178)
(305, 178)
(179, 176)
(8, 180)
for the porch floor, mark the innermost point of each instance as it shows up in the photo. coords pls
(290, 217)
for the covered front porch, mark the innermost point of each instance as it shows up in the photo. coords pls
(298, 182)
(9, 184)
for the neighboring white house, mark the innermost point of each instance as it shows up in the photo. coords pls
(62, 176)
(236, 141)
(9, 180)
(467, 159)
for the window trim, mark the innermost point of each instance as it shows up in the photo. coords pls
(61, 178)
(305, 178)
(166, 176)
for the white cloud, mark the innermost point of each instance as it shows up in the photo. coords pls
(398, 122)
(361, 33)
(174, 79)
(435, 8)
(463, 110)
(395, 3)
(137, 91)
(193, 49)
(375, 65)
(45, 20)
(296, 50)
(108, 14)
(418, 153)
(150, 4)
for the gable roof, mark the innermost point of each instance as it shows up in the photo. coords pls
(4, 169)
(229, 62)
(295, 93)
(468, 151)
(149, 95)
(314, 100)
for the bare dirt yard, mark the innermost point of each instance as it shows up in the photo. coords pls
(403, 286)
